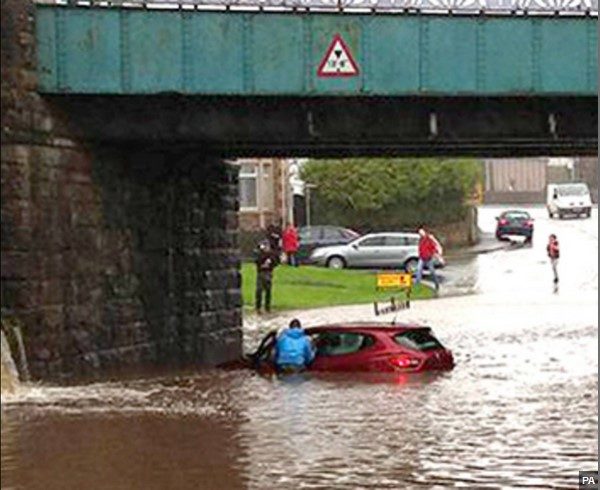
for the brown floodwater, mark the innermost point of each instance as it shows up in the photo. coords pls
(519, 410)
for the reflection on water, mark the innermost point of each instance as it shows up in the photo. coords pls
(519, 409)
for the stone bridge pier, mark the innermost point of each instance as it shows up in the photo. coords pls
(113, 257)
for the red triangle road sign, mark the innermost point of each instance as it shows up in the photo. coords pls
(338, 60)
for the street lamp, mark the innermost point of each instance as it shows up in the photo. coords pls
(307, 188)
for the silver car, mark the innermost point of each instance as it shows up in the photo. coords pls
(398, 250)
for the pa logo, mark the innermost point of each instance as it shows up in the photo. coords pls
(588, 479)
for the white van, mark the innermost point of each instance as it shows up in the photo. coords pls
(564, 199)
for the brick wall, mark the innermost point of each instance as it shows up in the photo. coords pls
(112, 257)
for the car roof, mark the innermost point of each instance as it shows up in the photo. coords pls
(565, 184)
(372, 327)
(318, 227)
(509, 211)
(321, 226)
(391, 233)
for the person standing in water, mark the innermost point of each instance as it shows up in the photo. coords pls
(265, 263)
(553, 251)
(293, 349)
(428, 248)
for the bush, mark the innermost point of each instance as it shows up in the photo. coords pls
(386, 194)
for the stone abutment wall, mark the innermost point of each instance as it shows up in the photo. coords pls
(112, 257)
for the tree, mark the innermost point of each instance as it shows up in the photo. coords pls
(371, 194)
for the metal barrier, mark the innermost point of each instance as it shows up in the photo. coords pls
(568, 8)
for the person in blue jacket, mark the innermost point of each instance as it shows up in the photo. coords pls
(293, 349)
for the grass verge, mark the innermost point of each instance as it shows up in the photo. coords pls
(312, 287)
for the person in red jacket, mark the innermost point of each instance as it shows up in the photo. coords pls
(429, 247)
(290, 244)
(553, 251)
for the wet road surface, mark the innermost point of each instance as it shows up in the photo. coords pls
(519, 409)
(525, 268)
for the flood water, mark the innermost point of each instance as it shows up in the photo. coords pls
(519, 410)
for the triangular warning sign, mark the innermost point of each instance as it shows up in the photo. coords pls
(338, 60)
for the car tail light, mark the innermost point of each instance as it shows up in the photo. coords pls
(404, 362)
(529, 223)
(503, 222)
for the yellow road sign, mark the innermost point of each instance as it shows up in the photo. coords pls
(394, 280)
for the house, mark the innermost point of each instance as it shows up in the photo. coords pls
(266, 192)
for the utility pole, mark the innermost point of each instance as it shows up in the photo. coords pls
(308, 187)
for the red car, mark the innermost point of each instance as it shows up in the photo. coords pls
(367, 347)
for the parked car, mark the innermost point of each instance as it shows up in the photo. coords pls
(374, 250)
(366, 347)
(565, 199)
(312, 237)
(514, 222)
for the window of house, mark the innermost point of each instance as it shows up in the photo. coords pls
(248, 185)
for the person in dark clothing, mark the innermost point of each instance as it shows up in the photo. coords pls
(274, 233)
(265, 263)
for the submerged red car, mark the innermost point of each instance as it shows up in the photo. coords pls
(368, 347)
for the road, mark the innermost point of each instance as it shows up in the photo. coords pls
(519, 409)
(525, 268)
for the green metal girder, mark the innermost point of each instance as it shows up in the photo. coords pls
(135, 51)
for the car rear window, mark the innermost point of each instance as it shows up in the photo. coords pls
(517, 215)
(308, 234)
(421, 340)
(334, 234)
